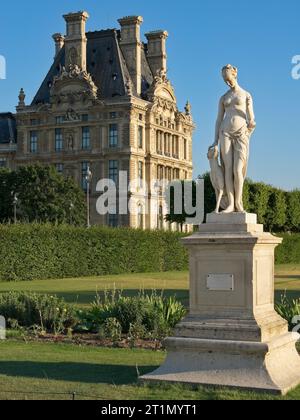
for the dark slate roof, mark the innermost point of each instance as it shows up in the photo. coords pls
(105, 63)
(8, 130)
(147, 76)
(43, 94)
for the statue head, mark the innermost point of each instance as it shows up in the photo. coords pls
(230, 74)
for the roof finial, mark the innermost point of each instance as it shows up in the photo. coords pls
(188, 109)
(22, 97)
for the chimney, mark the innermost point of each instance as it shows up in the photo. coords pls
(76, 41)
(131, 47)
(59, 40)
(157, 52)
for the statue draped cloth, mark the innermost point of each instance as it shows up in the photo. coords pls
(240, 141)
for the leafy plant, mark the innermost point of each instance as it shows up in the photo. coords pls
(139, 316)
(288, 309)
(113, 330)
(137, 331)
(47, 313)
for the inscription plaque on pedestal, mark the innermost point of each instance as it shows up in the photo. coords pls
(220, 282)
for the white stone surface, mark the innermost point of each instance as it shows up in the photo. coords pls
(234, 127)
(271, 367)
(232, 338)
(232, 218)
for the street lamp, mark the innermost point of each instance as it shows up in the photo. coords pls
(71, 212)
(15, 203)
(88, 178)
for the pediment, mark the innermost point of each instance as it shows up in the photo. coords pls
(166, 93)
(73, 83)
(162, 90)
(70, 86)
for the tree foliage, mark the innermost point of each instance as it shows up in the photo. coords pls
(293, 210)
(277, 210)
(179, 217)
(43, 196)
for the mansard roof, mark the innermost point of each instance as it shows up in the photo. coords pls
(8, 131)
(105, 63)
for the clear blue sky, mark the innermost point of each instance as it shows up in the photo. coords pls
(260, 37)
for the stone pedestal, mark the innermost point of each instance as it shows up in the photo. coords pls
(232, 335)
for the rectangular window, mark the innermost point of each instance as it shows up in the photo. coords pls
(113, 135)
(33, 142)
(113, 115)
(185, 150)
(58, 140)
(141, 174)
(60, 119)
(60, 168)
(101, 137)
(84, 171)
(34, 121)
(85, 117)
(113, 220)
(141, 137)
(3, 163)
(114, 171)
(86, 138)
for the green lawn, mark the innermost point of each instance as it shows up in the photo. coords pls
(82, 290)
(288, 279)
(56, 371)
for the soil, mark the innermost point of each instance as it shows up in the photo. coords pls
(94, 340)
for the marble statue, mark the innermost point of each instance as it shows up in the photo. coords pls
(234, 127)
(217, 177)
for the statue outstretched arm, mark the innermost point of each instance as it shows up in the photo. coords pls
(250, 113)
(220, 119)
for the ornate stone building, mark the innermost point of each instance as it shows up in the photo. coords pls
(106, 103)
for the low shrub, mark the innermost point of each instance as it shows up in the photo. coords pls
(113, 330)
(142, 316)
(31, 310)
(289, 310)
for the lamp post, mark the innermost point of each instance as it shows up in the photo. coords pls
(88, 178)
(71, 212)
(15, 203)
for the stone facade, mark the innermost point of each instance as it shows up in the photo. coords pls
(107, 103)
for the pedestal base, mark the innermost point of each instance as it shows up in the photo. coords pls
(232, 337)
(266, 367)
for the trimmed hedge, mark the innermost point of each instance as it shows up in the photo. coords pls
(30, 252)
(289, 251)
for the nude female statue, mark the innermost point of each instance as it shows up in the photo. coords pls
(235, 124)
